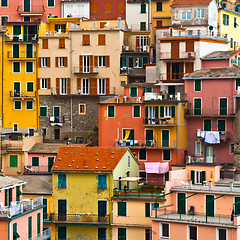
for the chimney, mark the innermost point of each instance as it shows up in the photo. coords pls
(231, 186)
(210, 185)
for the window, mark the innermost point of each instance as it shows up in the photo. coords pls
(128, 136)
(62, 181)
(192, 231)
(101, 86)
(43, 83)
(200, 13)
(142, 26)
(85, 86)
(235, 22)
(15, 233)
(63, 86)
(142, 154)
(186, 15)
(60, 28)
(44, 62)
(38, 223)
(138, 63)
(198, 177)
(231, 147)
(108, 7)
(16, 67)
(166, 155)
(122, 234)
(29, 67)
(29, 50)
(43, 111)
(148, 234)
(102, 233)
(133, 92)
(4, 3)
(207, 125)
(82, 108)
(147, 210)
(164, 230)
(18, 193)
(198, 149)
(221, 234)
(27, 19)
(167, 112)
(4, 19)
(17, 105)
(29, 86)
(136, 111)
(61, 62)
(197, 85)
(159, 6)
(29, 227)
(50, 3)
(62, 232)
(197, 106)
(102, 181)
(129, 161)
(13, 160)
(238, 79)
(122, 209)
(231, 42)
(223, 106)
(44, 43)
(15, 127)
(102, 61)
(86, 64)
(86, 39)
(35, 161)
(29, 105)
(148, 89)
(225, 19)
(221, 125)
(61, 43)
(143, 8)
(111, 111)
(101, 40)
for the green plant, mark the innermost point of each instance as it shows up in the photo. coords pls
(95, 129)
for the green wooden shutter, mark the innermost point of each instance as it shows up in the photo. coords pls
(29, 67)
(121, 62)
(156, 112)
(181, 203)
(122, 233)
(173, 112)
(38, 223)
(207, 125)
(193, 176)
(50, 163)
(223, 106)
(17, 193)
(111, 111)
(131, 62)
(4, 3)
(13, 160)
(29, 49)
(237, 206)
(161, 111)
(102, 234)
(136, 111)
(43, 111)
(221, 125)
(10, 195)
(210, 205)
(145, 61)
(16, 30)
(147, 209)
(143, 8)
(122, 209)
(149, 137)
(16, 67)
(50, 3)
(29, 86)
(62, 181)
(197, 106)
(203, 176)
(238, 79)
(29, 227)
(35, 161)
(133, 92)
(197, 84)
(224, 19)
(15, 50)
(6, 197)
(45, 208)
(165, 138)
(146, 115)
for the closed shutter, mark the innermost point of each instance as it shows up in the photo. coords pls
(15, 51)
(197, 85)
(49, 83)
(29, 49)
(45, 44)
(122, 208)
(107, 61)
(207, 125)
(38, 223)
(122, 233)
(65, 61)
(173, 111)
(161, 111)
(86, 40)
(145, 61)
(193, 176)
(102, 234)
(6, 197)
(102, 24)
(13, 160)
(223, 106)
(91, 63)
(237, 206)
(38, 83)
(61, 43)
(79, 83)
(136, 111)
(56, 61)
(221, 125)
(10, 196)
(147, 209)
(203, 176)
(68, 85)
(131, 62)
(197, 106)
(43, 111)
(111, 111)
(168, 77)
(93, 86)
(137, 41)
(101, 39)
(29, 227)
(40, 62)
(95, 61)
(81, 63)
(107, 86)
(181, 201)
(190, 46)
(149, 137)
(57, 85)
(156, 112)
(35, 161)
(133, 92)
(210, 205)
(62, 181)
(17, 193)
(165, 138)
(48, 62)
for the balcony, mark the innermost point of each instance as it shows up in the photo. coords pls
(148, 122)
(199, 160)
(21, 38)
(171, 76)
(210, 112)
(56, 120)
(12, 145)
(177, 55)
(90, 70)
(224, 135)
(163, 96)
(34, 10)
(23, 55)
(81, 218)
(22, 94)
(136, 194)
(44, 235)
(139, 27)
(32, 170)
(18, 208)
(127, 48)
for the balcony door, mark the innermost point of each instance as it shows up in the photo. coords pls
(62, 210)
(149, 137)
(26, 5)
(86, 64)
(210, 205)
(16, 86)
(181, 203)
(102, 209)
(209, 154)
(165, 138)
(56, 114)
(63, 86)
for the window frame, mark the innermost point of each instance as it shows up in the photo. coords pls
(4, 5)
(101, 86)
(58, 185)
(15, 105)
(114, 112)
(200, 13)
(85, 86)
(119, 214)
(27, 84)
(79, 108)
(133, 111)
(161, 230)
(43, 82)
(45, 107)
(157, 6)
(61, 62)
(44, 62)
(170, 154)
(26, 67)
(217, 230)
(189, 229)
(101, 61)
(27, 107)
(196, 152)
(15, 62)
(99, 186)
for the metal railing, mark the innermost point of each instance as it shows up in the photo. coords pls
(160, 121)
(28, 169)
(23, 94)
(22, 54)
(31, 9)
(171, 76)
(17, 208)
(197, 160)
(210, 111)
(56, 119)
(55, 34)
(45, 234)
(85, 70)
(164, 96)
(177, 55)
(81, 218)
(22, 37)
(136, 193)
(138, 27)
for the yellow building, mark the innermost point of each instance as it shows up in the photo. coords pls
(229, 22)
(83, 181)
(19, 95)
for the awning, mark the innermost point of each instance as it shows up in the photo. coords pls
(130, 179)
(156, 167)
(169, 84)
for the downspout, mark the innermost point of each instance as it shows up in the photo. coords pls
(178, 122)
(220, 23)
(71, 79)
(2, 81)
(37, 96)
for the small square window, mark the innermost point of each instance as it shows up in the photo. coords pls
(30, 87)
(4, 3)
(111, 111)
(102, 181)
(17, 105)
(43, 111)
(29, 105)
(29, 67)
(35, 161)
(16, 67)
(164, 231)
(82, 108)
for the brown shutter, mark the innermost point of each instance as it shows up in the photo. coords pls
(79, 83)
(57, 85)
(91, 63)
(86, 39)
(168, 71)
(93, 86)
(95, 61)
(48, 61)
(107, 86)
(80, 63)
(65, 61)
(61, 43)
(147, 40)
(38, 83)
(107, 61)
(190, 46)
(68, 85)
(45, 44)
(56, 61)
(175, 50)
(188, 67)
(137, 41)
(40, 62)
(102, 24)
(49, 83)
(101, 39)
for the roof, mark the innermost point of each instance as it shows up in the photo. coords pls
(88, 159)
(190, 2)
(220, 54)
(231, 72)
(41, 185)
(50, 148)
(7, 182)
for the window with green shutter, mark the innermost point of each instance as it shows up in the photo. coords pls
(29, 105)
(38, 223)
(29, 227)
(16, 30)
(166, 155)
(62, 181)
(15, 233)
(50, 3)
(165, 138)
(148, 89)
(130, 62)
(156, 112)
(111, 111)
(198, 148)
(136, 111)
(181, 203)
(4, 19)
(238, 79)
(102, 233)
(197, 106)
(147, 209)
(45, 208)
(173, 112)
(29, 50)
(148, 234)
(17, 105)
(18, 193)
(237, 206)
(231, 42)
(43, 111)
(223, 106)
(10, 196)
(29, 86)
(122, 234)
(197, 85)
(142, 26)
(159, 6)
(221, 125)
(16, 67)
(13, 160)
(35, 161)
(122, 209)
(4, 3)
(143, 8)
(207, 125)
(15, 51)
(29, 67)
(6, 197)
(133, 92)
(161, 111)
(102, 181)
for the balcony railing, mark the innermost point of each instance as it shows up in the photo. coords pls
(22, 54)
(159, 122)
(85, 70)
(17, 208)
(164, 96)
(127, 48)
(197, 160)
(81, 218)
(146, 143)
(210, 111)
(28, 169)
(177, 55)
(224, 135)
(22, 94)
(139, 27)
(136, 193)
(22, 38)
(31, 9)
(11, 145)
(56, 120)
(171, 76)
(44, 235)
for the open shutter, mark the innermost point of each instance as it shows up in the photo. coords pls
(65, 61)
(137, 41)
(57, 85)
(193, 176)
(168, 71)
(107, 61)
(107, 86)
(68, 85)
(78, 83)
(56, 61)
(49, 83)
(48, 62)
(81, 63)
(203, 176)
(95, 61)
(93, 86)
(40, 62)
(91, 63)
(161, 111)
(147, 209)
(146, 114)
(38, 83)
(173, 111)
(6, 197)
(156, 112)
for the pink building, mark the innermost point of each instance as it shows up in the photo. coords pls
(20, 219)
(29, 10)
(211, 114)
(205, 207)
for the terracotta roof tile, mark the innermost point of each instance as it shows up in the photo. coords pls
(190, 2)
(88, 158)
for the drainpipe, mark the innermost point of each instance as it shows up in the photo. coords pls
(2, 81)
(178, 121)
(220, 21)
(71, 79)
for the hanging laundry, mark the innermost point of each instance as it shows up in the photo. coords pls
(212, 137)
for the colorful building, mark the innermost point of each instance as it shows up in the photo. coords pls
(85, 210)
(75, 8)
